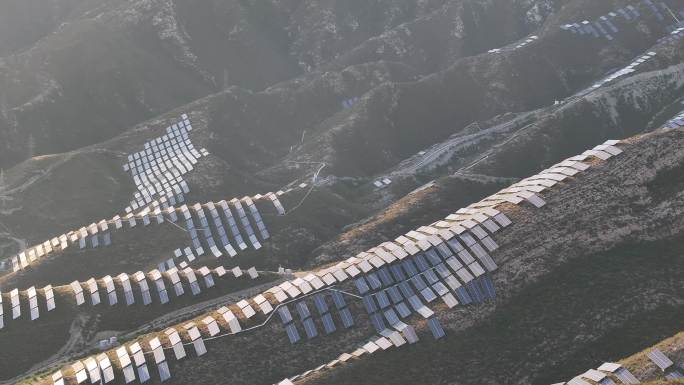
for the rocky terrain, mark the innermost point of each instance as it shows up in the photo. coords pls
(381, 117)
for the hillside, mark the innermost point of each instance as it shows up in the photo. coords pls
(208, 153)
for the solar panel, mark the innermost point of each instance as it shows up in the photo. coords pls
(374, 281)
(252, 272)
(658, 358)
(310, 328)
(246, 308)
(674, 374)
(369, 348)
(285, 315)
(144, 288)
(626, 376)
(79, 371)
(338, 300)
(420, 307)
(57, 378)
(190, 276)
(230, 319)
(596, 376)
(321, 305)
(175, 342)
(405, 289)
(245, 223)
(232, 224)
(578, 381)
(488, 287)
(428, 294)
(195, 338)
(436, 328)
(125, 363)
(257, 217)
(347, 320)
(382, 299)
(292, 333)
(402, 310)
(383, 343)
(475, 292)
(328, 324)
(139, 360)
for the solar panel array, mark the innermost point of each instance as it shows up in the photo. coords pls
(610, 373)
(119, 290)
(630, 68)
(448, 259)
(456, 247)
(131, 360)
(379, 343)
(33, 303)
(665, 364)
(328, 317)
(99, 234)
(159, 168)
(382, 183)
(675, 34)
(676, 122)
(521, 44)
(172, 280)
(606, 26)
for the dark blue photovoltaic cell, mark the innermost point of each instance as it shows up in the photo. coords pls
(284, 313)
(347, 320)
(303, 310)
(455, 245)
(403, 310)
(321, 305)
(442, 270)
(418, 282)
(452, 282)
(428, 294)
(436, 328)
(421, 262)
(673, 374)
(292, 333)
(409, 267)
(385, 277)
(338, 299)
(406, 289)
(382, 299)
(440, 289)
(463, 296)
(443, 250)
(394, 294)
(361, 285)
(378, 322)
(398, 273)
(310, 328)
(369, 304)
(392, 317)
(373, 281)
(474, 291)
(415, 303)
(626, 376)
(488, 287)
(328, 324)
(430, 276)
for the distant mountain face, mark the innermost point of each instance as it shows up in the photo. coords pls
(74, 73)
